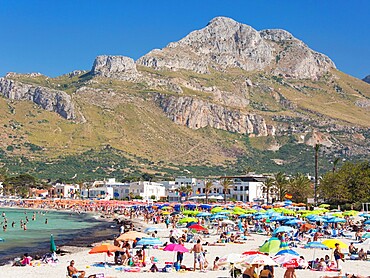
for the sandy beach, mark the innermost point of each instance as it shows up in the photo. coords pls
(85, 261)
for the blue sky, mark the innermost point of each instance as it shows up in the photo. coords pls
(56, 37)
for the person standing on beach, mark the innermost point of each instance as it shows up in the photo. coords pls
(198, 255)
(338, 255)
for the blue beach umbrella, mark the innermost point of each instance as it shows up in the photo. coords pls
(283, 229)
(287, 251)
(336, 220)
(294, 222)
(149, 241)
(205, 206)
(366, 235)
(367, 222)
(204, 214)
(219, 216)
(366, 215)
(315, 245)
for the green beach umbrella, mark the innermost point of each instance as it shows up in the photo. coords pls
(188, 219)
(53, 247)
(350, 213)
(271, 246)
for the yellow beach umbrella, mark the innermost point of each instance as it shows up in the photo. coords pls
(331, 243)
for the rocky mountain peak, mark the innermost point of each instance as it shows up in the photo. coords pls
(118, 67)
(225, 43)
(367, 79)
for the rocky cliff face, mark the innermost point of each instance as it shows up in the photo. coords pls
(195, 114)
(49, 99)
(118, 67)
(367, 79)
(225, 43)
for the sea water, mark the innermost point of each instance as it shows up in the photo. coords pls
(63, 225)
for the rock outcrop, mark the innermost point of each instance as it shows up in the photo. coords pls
(225, 43)
(367, 79)
(117, 67)
(49, 99)
(196, 114)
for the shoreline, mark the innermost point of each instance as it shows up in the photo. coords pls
(104, 229)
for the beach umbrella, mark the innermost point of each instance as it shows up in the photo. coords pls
(366, 215)
(227, 222)
(149, 241)
(218, 216)
(131, 235)
(366, 235)
(204, 214)
(175, 248)
(350, 213)
(174, 213)
(53, 247)
(283, 229)
(336, 220)
(232, 258)
(197, 227)
(367, 222)
(205, 206)
(271, 246)
(225, 212)
(305, 227)
(152, 229)
(315, 245)
(244, 216)
(331, 243)
(105, 248)
(259, 259)
(252, 252)
(294, 222)
(188, 219)
(284, 258)
(287, 251)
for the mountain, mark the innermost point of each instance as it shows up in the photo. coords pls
(367, 79)
(223, 99)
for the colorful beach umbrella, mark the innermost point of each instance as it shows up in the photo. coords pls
(287, 251)
(283, 229)
(131, 235)
(188, 219)
(271, 246)
(366, 235)
(197, 227)
(149, 241)
(232, 258)
(53, 247)
(259, 259)
(176, 248)
(331, 243)
(252, 252)
(105, 248)
(315, 245)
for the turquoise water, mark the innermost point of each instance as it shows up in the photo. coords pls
(64, 226)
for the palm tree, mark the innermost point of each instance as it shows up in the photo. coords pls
(131, 195)
(316, 148)
(268, 186)
(226, 185)
(335, 162)
(208, 185)
(299, 188)
(281, 185)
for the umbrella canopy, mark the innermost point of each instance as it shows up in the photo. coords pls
(175, 248)
(149, 241)
(232, 258)
(366, 235)
(331, 243)
(315, 245)
(197, 227)
(174, 213)
(131, 235)
(204, 214)
(305, 227)
(219, 216)
(104, 248)
(271, 246)
(336, 220)
(188, 219)
(227, 222)
(53, 247)
(152, 229)
(367, 222)
(283, 229)
(294, 222)
(252, 253)
(287, 251)
(259, 259)
(285, 258)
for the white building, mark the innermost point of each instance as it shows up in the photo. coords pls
(120, 190)
(148, 190)
(101, 192)
(66, 190)
(247, 188)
